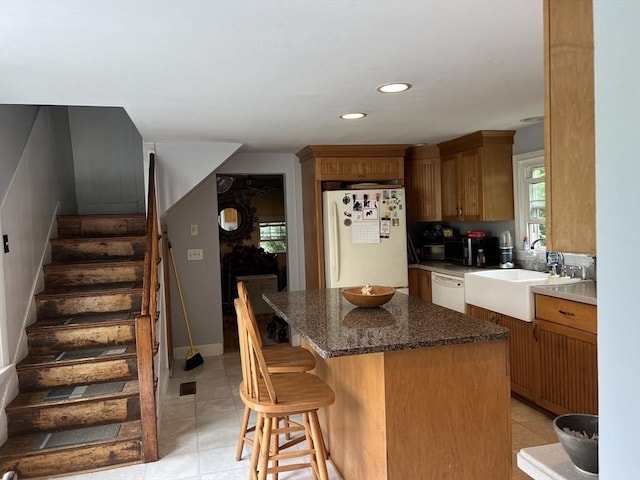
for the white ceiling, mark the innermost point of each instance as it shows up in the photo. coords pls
(275, 75)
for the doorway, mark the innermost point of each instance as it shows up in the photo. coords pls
(253, 247)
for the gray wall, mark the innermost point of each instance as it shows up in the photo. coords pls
(107, 152)
(617, 75)
(201, 281)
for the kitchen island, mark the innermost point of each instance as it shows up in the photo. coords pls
(422, 392)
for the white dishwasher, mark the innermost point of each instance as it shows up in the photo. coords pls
(448, 291)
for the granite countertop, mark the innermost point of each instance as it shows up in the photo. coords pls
(447, 268)
(584, 292)
(335, 327)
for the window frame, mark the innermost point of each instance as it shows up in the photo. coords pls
(521, 164)
(279, 223)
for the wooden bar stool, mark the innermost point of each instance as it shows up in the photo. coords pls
(277, 396)
(279, 359)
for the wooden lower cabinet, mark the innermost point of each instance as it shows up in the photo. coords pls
(523, 350)
(553, 360)
(420, 283)
(567, 345)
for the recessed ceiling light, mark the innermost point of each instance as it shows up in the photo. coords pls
(532, 119)
(353, 116)
(394, 87)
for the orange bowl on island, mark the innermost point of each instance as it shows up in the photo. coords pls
(368, 296)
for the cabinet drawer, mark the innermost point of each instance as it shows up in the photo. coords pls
(566, 312)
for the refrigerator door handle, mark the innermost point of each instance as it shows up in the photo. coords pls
(334, 233)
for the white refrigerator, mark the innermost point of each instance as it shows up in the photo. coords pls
(365, 238)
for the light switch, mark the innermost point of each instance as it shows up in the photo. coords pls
(194, 230)
(194, 254)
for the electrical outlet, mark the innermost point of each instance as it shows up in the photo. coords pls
(194, 230)
(5, 243)
(194, 254)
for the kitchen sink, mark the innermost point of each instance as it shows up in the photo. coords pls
(508, 291)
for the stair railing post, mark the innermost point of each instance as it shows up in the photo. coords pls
(149, 425)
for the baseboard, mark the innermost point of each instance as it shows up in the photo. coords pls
(210, 350)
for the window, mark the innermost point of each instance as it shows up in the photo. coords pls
(273, 236)
(530, 198)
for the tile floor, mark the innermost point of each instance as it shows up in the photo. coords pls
(198, 432)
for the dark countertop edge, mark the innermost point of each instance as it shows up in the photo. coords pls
(568, 292)
(413, 346)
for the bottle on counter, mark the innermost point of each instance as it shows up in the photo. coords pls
(526, 244)
(480, 260)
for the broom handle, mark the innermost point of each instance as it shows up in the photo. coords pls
(184, 310)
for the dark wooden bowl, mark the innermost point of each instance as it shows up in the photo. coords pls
(379, 296)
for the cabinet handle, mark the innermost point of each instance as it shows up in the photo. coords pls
(361, 176)
(535, 331)
(568, 314)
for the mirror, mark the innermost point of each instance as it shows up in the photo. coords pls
(236, 219)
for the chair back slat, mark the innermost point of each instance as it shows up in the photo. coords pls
(243, 294)
(257, 364)
(243, 341)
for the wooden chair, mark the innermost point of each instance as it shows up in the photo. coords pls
(277, 396)
(279, 358)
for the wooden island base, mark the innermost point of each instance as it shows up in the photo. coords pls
(429, 413)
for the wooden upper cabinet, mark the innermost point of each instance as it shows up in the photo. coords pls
(422, 184)
(477, 176)
(569, 128)
(339, 163)
(357, 163)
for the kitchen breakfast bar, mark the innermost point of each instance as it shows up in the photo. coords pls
(422, 392)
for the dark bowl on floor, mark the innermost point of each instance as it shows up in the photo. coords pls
(578, 435)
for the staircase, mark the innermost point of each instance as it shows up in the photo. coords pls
(79, 406)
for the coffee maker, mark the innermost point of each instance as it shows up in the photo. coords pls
(506, 250)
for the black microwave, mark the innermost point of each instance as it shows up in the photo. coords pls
(464, 250)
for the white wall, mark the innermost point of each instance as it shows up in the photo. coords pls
(27, 216)
(617, 95)
(182, 166)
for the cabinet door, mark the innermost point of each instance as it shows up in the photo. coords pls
(568, 369)
(424, 282)
(523, 350)
(470, 184)
(414, 285)
(422, 183)
(449, 183)
(570, 127)
(361, 169)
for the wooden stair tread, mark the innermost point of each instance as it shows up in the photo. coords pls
(38, 399)
(23, 445)
(94, 263)
(89, 290)
(76, 357)
(83, 320)
(106, 239)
